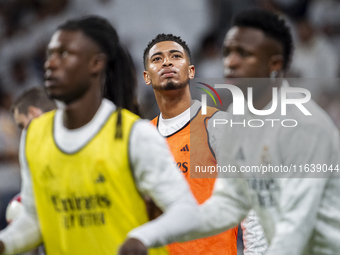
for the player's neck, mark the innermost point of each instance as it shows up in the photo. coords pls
(173, 102)
(81, 111)
(264, 98)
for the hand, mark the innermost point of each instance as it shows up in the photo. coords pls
(133, 246)
(2, 247)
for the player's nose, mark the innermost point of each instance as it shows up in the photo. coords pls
(232, 61)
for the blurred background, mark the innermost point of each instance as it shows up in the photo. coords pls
(27, 25)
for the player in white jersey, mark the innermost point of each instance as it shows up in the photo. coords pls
(298, 215)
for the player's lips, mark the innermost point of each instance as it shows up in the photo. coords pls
(50, 81)
(231, 75)
(168, 73)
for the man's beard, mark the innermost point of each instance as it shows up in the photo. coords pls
(170, 85)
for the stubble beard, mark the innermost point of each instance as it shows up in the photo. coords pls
(170, 85)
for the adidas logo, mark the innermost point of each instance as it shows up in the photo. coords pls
(47, 173)
(100, 178)
(185, 148)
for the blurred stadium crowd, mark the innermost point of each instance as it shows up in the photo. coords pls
(27, 25)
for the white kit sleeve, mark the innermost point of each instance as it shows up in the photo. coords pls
(24, 232)
(158, 177)
(301, 197)
(225, 209)
(255, 242)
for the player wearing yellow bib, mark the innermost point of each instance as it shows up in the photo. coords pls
(84, 166)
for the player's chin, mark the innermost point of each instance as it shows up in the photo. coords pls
(54, 93)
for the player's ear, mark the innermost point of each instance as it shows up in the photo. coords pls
(98, 63)
(146, 78)
(191, 72)
(33, 112)
(276, 63)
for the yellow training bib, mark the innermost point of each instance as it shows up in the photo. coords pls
(86, 201)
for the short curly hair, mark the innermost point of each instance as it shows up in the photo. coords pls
(162, 38)
(272, 25)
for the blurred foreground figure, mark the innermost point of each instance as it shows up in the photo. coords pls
(298, 215)
(84, 165)
(29, 105)
(14, 208)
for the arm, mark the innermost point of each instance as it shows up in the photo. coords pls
(21, 235)
(301, 197)
(254, 239)
(24, 232)
(158, 177)
(253, 235)
(180, 221)
(225, 209)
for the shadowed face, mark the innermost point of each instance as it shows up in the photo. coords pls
(249, 53)
(246, 53)
(68, 65)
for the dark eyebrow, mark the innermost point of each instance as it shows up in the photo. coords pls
(161, 53)
(52, 49)
(157, 53)
(238, 48)
(173, 51)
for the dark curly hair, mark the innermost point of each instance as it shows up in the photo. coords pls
(272, 25)
(162, 38)
(120, 81)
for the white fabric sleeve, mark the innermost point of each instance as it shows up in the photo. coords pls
(255, 242)
(225, 209)
(254, 239)
(24, 232)
(158, 177)
(301, 197)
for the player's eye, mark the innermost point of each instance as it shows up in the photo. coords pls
(155, 59)
(243, 53)
(177, 56)
(64, 54)
(226, 52)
